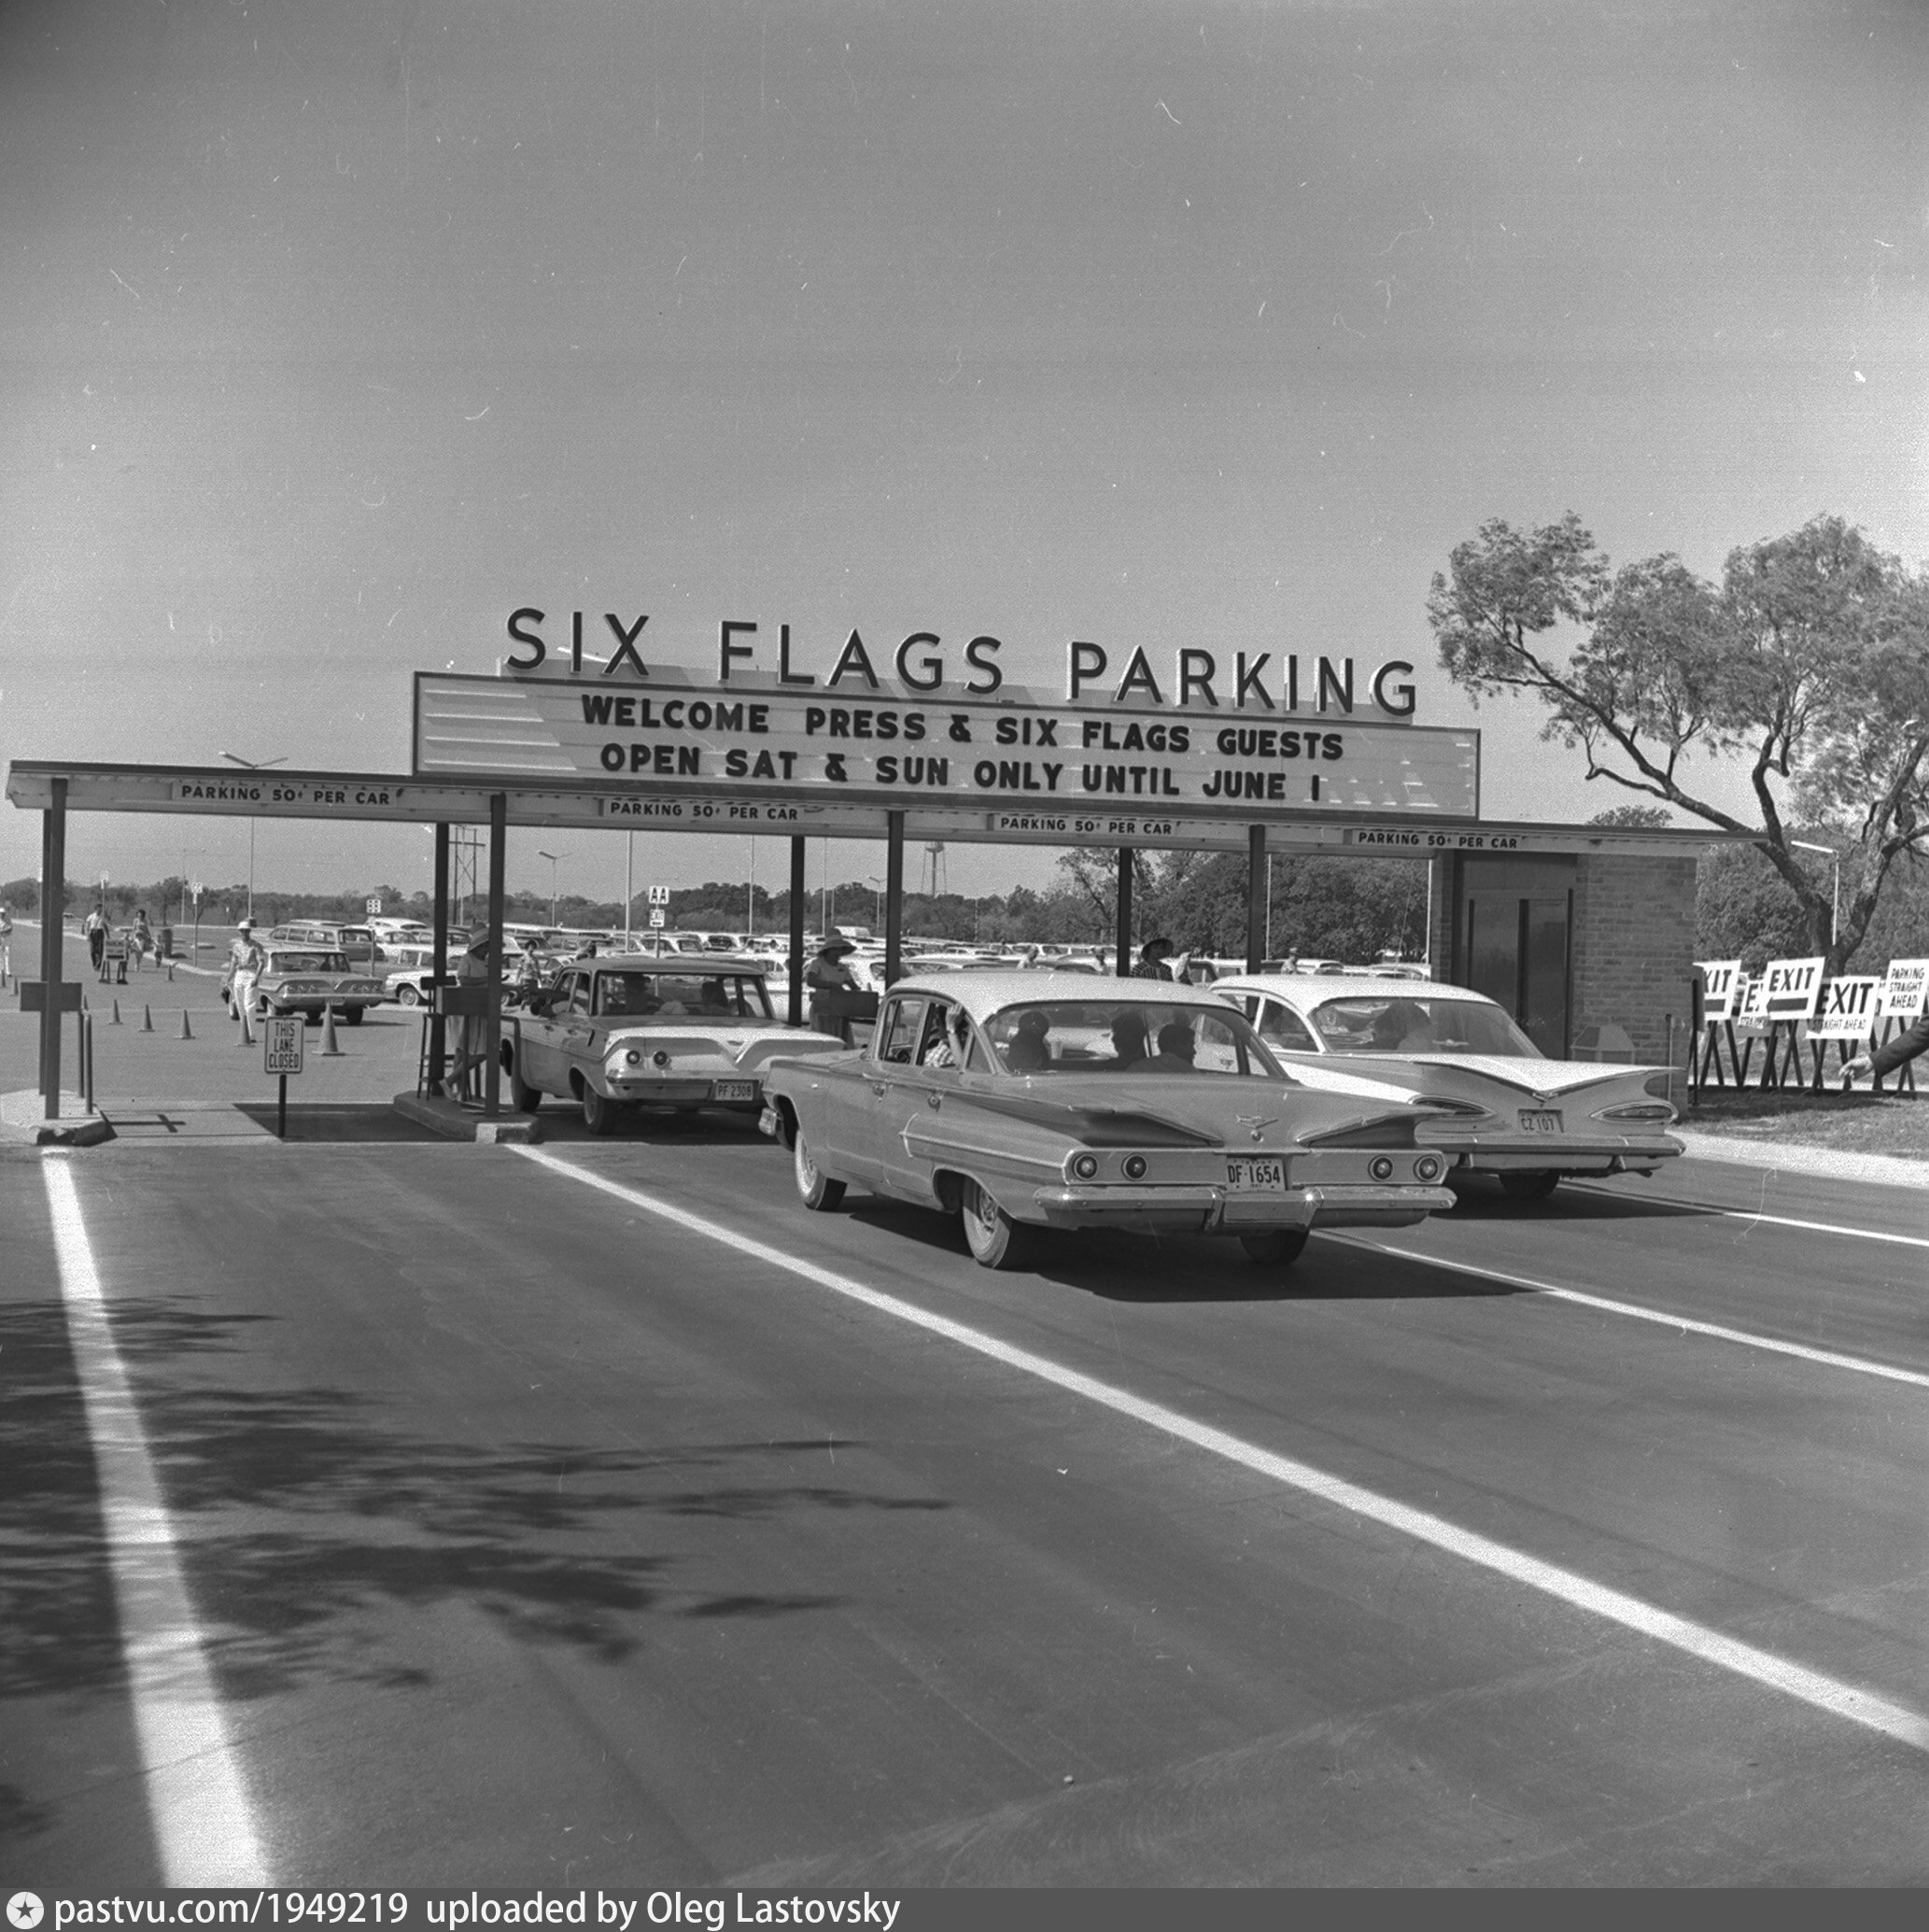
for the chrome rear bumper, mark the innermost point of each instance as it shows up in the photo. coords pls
(1215, 1210)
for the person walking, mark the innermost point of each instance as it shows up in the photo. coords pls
(141, 939)
(95, 927)
(248, 961)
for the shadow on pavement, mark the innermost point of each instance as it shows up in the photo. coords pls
(1119, 1266)
(308, 1516)
(338, 1121)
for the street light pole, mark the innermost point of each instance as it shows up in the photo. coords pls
(1835, 895)
(252, 764)
(552, 857)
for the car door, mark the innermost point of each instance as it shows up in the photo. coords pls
(913, 1090)
(546, 1034)
(890, 1086)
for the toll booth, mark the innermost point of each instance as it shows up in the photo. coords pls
(1591, 948)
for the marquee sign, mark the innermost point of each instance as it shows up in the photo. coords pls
(761, 741)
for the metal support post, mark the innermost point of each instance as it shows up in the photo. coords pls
(492, 1020)
(1122, 966)
(1255, 899)
(797, 932)
(53, 907)
(894, 897)
(439, 964)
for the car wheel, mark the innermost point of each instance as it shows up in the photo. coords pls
(994, 1239)
(353, 1014)
(599, 1114)
(408, 997)
(525, 1098)
(1529, 1187)
(1275, 1247)
(815, 1189)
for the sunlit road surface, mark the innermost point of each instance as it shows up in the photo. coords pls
(605, 1519)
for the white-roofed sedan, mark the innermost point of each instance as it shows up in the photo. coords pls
(1025, 1100)
(627, 1030)
(1504, 1108)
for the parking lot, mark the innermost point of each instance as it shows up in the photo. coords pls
(591, 1510)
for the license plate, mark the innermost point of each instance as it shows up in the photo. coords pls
(1540, 1120)
(1254, 1174)
(734, 1090)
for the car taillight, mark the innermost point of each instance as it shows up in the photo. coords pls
(1134, 1167)
(1637, 1110)
(634, 1058)
(1427, 1167)
(1085, 1166)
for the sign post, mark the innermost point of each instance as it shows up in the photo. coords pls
(659, 898)
(282, 1036)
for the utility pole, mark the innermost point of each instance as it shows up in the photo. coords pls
(252, 764)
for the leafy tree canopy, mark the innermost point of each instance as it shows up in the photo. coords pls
(1809, 663)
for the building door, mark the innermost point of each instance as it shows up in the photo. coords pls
(1515, 923)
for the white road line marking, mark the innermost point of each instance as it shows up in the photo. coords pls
(1661, 1204)
(204, 1823)
(1828, 1358)
(1830, 1694)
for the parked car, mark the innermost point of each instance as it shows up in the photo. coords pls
(1503, 1108)
(1024, 1100)
(306, 980)
(626, 1031)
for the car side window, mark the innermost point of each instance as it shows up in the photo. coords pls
(899, 1032)
(1280, 1026)
(574, 997)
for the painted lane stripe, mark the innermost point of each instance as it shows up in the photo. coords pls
(1828, 1694)
(1828, 1358)
(203, 1820)
(1660, 1205)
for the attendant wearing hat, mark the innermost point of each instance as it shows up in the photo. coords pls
(826, 975)
(248, 961)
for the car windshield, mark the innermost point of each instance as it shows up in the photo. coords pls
(1105, 1036)
(279, 962)
(666, 998)
(1376, 1024)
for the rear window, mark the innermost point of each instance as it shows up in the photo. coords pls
(317, 962)
(669, 998)
(1383, 1025)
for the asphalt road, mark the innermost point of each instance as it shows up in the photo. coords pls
(529, 1533)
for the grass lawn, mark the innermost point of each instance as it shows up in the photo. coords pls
(1860, 1123)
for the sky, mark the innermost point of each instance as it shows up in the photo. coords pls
(329, 335)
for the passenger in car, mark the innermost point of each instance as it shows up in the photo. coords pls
(1128, 1040)
(1176, 1049)
(1029, 1051)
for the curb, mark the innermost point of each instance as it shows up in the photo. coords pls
(1825, 1162)
(454, 1122)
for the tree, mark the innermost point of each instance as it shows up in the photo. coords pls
(1809, 663)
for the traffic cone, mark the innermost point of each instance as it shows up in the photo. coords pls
(147, 1017)
(116, 1019)
(187, 1031)
(329, 1050)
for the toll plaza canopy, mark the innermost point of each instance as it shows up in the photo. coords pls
(1239, 757)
